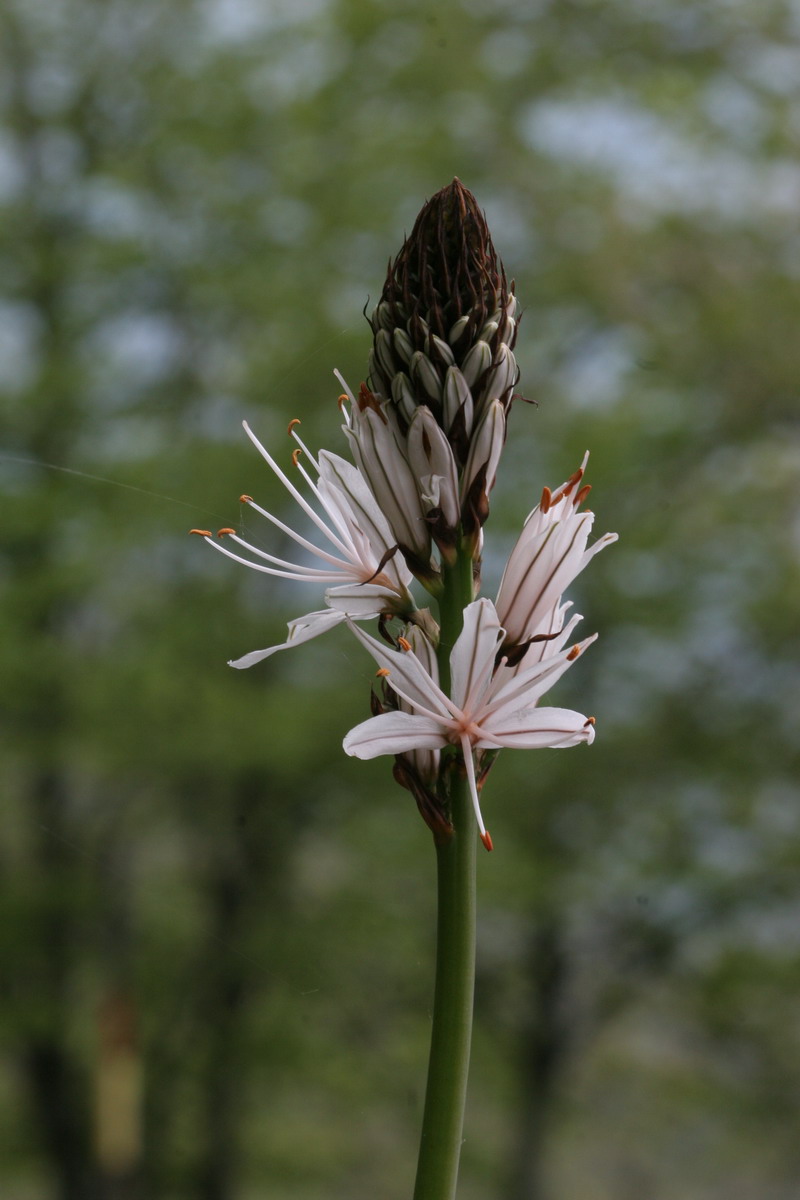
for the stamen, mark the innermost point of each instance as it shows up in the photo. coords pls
(589, 721)
(299, 498)
(222, 532)
(348, 395)
(469, 765)
(486, 838)
(201, 532)
(245, 499)
(544, 503)
(292, 423)
(574, 479)
(582, 494)
(403, 643)
(573, 654)
(382, 672)
(296, 456)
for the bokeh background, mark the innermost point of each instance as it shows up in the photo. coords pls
(216, 930)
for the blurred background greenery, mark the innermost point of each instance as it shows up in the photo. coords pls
(217, 930)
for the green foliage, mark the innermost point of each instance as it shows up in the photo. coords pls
(197, 200)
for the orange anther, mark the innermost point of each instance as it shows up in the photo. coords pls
(582, 494)
(544, 503)
(382, 672)
(486, 838)
(573, 654)
(292, 423)
(342, 400)
(403, 643)
(573, 479)
(589, 721)
(222, 532)
(296, 456)
(201, 532)
(245, 499)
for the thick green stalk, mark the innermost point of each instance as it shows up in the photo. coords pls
(451, 1034)
(456, 595)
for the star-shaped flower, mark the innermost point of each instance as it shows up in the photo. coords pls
(489, 707)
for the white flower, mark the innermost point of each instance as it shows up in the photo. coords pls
(550, 552)
(361, 555)
(488, 709)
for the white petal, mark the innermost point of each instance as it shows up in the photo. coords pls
(472, 657)
(393, 733)
(302, 629)
(538, 728)
(364, 508)
(408, 677)
(362, 599)
(541, 567)
(528, 684)
(424, 649)
(550, 552)
(378, 451)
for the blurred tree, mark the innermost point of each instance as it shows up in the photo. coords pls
(197, 199)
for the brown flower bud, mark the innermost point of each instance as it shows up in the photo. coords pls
(444, 327)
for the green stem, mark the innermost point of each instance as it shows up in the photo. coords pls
(457, 594)
(451, 1034)
(448, 1066)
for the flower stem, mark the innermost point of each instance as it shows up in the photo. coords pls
(440, 1144)
(456, 595)
(451, 1034)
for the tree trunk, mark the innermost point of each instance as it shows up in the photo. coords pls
(543, 1046)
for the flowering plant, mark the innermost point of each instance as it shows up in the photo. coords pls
(459, 683)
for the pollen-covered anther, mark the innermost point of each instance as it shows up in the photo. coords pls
(403, 643)
(382, 672)
(486, 838)
(582, 494)
(589, 721)
(573, 654)
(201, 532)
(342, 400)
(224, 530)
(292, 423)
(245, 499)
(573, 480)
(544, 503)
(296, 455)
